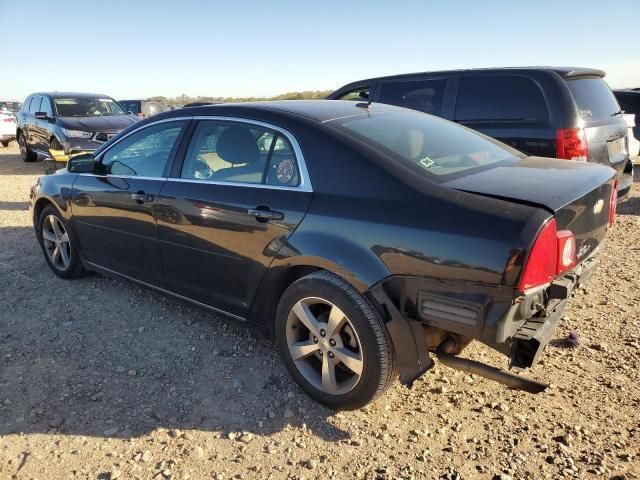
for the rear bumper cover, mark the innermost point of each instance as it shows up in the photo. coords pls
(518, 326)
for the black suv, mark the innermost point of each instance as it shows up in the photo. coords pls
(629, 101)
(142, 108)
(72, 122)
(567, 113)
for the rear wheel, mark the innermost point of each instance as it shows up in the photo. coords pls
(26, 153)
(333, 342)
(59, 252)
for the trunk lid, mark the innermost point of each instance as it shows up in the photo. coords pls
(577, 193)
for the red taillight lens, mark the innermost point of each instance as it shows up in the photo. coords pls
(541, 264)
(613, 202)
(571, 144)
(553, 253)
(566, 251)
(9, 120)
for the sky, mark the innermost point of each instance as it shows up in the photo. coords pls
(139, 49)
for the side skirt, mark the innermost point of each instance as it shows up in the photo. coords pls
(112, 273)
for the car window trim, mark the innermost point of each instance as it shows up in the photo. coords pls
(170, 161)
(305, 181)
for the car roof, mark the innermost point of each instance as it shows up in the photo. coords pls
(71, 95)
(565, 72)
(318, 110)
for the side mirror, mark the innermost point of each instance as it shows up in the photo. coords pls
(42, 116)
(84, 163)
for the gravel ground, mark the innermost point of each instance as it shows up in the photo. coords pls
(101, 379)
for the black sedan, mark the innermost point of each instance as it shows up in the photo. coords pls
(361, 236)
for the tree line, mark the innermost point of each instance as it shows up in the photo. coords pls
(184, 99)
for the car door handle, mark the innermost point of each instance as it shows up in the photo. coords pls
(141, 197)
(264, 214)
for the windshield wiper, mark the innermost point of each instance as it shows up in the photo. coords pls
(620, 112)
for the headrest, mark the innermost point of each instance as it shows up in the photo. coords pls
(410, 144)
(237, 145)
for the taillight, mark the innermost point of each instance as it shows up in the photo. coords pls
(566, 251)
(571, 144)
(553, 253)
(9, 120)
(613, 202)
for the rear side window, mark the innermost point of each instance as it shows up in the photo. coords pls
(423, 95)
(594, 99)
(502, 98)
(240, 153)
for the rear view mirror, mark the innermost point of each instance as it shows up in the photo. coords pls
(84, 163)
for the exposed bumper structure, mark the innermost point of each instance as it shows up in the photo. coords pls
(518, 325)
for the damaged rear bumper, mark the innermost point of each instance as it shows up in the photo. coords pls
(519, 325)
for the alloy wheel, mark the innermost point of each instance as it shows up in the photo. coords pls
(56, 242)
(324, 345)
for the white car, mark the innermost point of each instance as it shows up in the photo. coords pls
(7, 128)
(634, 144)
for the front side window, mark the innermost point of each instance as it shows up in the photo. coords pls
(45, 106)
(144, 153)
(423, 95)
(240, 153)
(360, 94)
(438, 147)
(34, 106)
(500, 98)
(87, 107)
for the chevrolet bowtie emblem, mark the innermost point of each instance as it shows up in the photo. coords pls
(598, 206)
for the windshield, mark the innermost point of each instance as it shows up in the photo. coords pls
(437, 146)
(87, 107)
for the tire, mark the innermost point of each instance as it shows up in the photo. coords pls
(26, 153)
(55, 144)
(52, 237)
(360, 338)
(5, 143)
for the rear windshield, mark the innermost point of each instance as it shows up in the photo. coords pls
(87, 107)
(439, 147)
(594, 99)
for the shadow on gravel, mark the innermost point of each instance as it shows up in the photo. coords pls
(12, 164)
(630, 207)
(14, 205)
(103, 357)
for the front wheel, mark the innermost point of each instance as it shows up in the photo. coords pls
(5, 143)
(333, 342)
(59, 252)
(26, 153)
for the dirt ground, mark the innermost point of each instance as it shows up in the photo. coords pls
(102, 379)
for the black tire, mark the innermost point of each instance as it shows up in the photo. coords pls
(5, 143)
(75, 268)
(55, 144)
(378, 364)
(26, 153)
